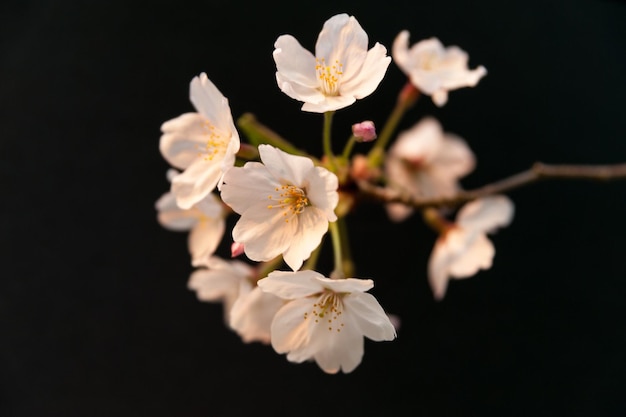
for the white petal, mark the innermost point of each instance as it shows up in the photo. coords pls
(205, 237)
(330, 103)
(172, 217)
(286, 168)
(486, 214)
(478, 255)
(312, 224)
(247, 185)
(182, 139)
(265, 232)
(438, 264)
(292, 285)
(370, 75)
(421, 142)
(289, 329)
(454, 159)
(196, 182)
(342, 39)
(342, 351)
(347, 285)
(400, 50)
(372, 320)
(294, 63)
(214, 285)
(210, 102)
(298, 91)
(252, 314)
(322, 191)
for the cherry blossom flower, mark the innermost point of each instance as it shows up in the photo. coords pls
(427, 163)
(325, 319)
(463, 248)
(285, 204)
(341, 71)
(433, 69)
(252, 313)
(204, 221)
(202, 144)
(222, 281)
(364, 131)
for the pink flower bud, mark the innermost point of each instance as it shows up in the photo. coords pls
(364, 131)
(236, 249)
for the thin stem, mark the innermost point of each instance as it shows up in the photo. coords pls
(539, 171)
(338, 272)
(312, 261)
(347, 263)
(347, 150)
(326, 139)
(406, 99)
(266, 267)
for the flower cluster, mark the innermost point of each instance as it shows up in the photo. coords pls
(286, 201)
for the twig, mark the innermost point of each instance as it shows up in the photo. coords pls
(539, 171)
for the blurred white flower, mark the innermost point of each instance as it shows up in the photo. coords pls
(252, 313)
(341, 71)
(204, 221)
(325, 319)
(202, 144)
(426, 162)
(222, 281)
(285, 204)
(463, 248)
(433, 69)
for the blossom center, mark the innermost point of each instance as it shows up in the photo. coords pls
(290, 199)
(327, 311)
(215, 144)
(329, 76)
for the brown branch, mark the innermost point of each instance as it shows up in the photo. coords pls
(539, 171)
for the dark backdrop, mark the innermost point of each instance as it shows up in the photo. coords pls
(95, 317)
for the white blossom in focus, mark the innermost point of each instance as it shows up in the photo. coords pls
(426, 162)
(203, 144)
(204, 221)
(285, 204)
(433, 69)
(463, 248)
(341, 71)
(325, 319)
(221, 281)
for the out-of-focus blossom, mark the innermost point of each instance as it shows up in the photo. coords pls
(285, 204)
(252, 313)
(325, 319)
(434, 69)
(426, 162)
(364, 131)
(204, 221)
(341, 71)
(463, 248)
(222, 281)
(202, 144)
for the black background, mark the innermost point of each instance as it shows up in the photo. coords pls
(95, 317)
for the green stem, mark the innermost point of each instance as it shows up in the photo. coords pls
(257, 133)
(407, 97)
(348, 264)
(338, 272)
(326, 140)
(348, 148)
(266, 267)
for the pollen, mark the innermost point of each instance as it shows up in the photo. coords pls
(328, 306)
(291, 199)
(329, 76)
(214, 145)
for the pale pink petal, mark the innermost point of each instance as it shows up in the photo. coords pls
(245, 184)
(312, 224)
(370, 76)
(193, 184)
(292, 285)
(370, 317)
(343, 350)
(342, 39)
(284, 167)
(252, 314)
(486, 214)
(330, 103)
(290, 329)
(210, 102)
(347, 285)
(294, 63)
(172, 217)
(183, 138)
(298, 91)
(322, 191)
(454, 159)
(438, 264)
(400, 49)
(205, 237)
(477, 255)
